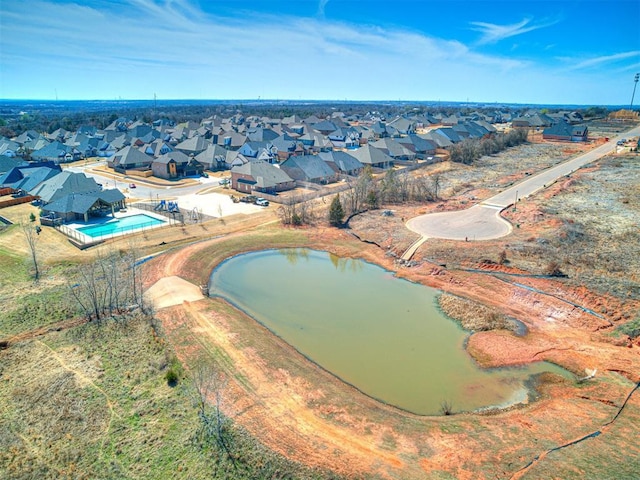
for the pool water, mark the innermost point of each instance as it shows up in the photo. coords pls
(121, 225)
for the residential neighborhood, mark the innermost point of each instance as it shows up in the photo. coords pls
(261, 156)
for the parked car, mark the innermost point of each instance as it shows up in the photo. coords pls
(225, 181)
(263, 202)
(132, 185)
(248, 199)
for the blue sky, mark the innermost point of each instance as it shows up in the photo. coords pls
(546, 52)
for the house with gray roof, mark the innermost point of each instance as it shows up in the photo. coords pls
(260, 176)
(402, 125)
(213, 158)
(57, 152)
(130, 158)
(441, 141)
(565, 132)
(63, 184)
(259, 134)
(231, 140)
(394, 149)
(8, 148)
(342, 162)
(449, 133)
(8, 163)
(286, 146)
(534, 120)
(309, 168)
(325, 127)
(82, 206)
(420, 146)
(175, 165)
(372, 156)
(27, 177)
(193, 145)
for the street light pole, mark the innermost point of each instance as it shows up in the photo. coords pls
(635, 84)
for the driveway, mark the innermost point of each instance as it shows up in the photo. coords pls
(483, 221)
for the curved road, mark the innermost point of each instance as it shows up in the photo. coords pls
(483, 221)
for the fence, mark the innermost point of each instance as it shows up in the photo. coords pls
(16, 201)
(181, 216)
(82, 239)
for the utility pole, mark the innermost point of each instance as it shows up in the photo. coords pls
(635, 84)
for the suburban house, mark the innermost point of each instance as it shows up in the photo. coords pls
(175, 165)
(213, 158)
(260, 151)
(344, 138)
(325, 127)
(130, 158)
(286, 146)
(260, 176)
(372, 156)
(394, 149)
(193, 145)
(537, 120)
(28, 177)
(565, 132)
(309, 168)
(420, 146)
(448, 133)
(441, 141)
(7, 163)
(63, 184)
(231, 140)
(342, 162)
(402, 125)
(259, 134)
(81, 206)
(57, 152)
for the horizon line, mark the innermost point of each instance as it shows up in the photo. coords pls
(299, 101)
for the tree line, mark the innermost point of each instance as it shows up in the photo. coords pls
(471, 149)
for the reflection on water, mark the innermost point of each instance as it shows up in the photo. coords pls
(382, 334)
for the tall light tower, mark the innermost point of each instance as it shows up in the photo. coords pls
(635, 84)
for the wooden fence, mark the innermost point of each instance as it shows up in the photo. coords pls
(17, 201)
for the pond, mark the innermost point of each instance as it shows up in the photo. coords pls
(382, 334)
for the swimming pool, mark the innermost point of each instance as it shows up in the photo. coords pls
(121, 225)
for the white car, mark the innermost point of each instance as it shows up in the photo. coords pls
(262, 202)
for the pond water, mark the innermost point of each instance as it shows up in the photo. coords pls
(381, 334)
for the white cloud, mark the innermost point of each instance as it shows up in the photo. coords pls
(604, 59)
(493, 33)
(321, 6)
(133, 48)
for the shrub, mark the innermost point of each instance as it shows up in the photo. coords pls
(631, 329)
(446, 407)
(553, 269)
(171, 376)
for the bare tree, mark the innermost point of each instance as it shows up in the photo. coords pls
(295, 211)
(109, 285)
(31, 233)
(209, 384)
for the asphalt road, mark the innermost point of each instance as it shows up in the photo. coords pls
(483, 221)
